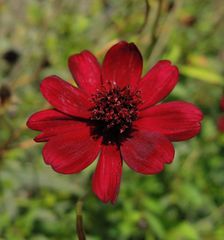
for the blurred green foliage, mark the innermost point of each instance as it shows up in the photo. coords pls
(186, 201)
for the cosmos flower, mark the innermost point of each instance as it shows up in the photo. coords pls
(221, 104)
(113, 114)
(220, 123)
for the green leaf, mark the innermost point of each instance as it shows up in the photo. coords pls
(184, 231)
(202, 74)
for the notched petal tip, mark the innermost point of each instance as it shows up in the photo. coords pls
(125, 44)
(74, 58)
(65, 97)
(86, 71)
(158, 82)
(122, 42)
(177, 120)
(123, 65)
(164, 61)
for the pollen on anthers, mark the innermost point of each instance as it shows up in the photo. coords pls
(115, 107)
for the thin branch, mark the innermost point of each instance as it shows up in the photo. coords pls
(146, 16)
(164, 34)
(154, 31)
(156, 22)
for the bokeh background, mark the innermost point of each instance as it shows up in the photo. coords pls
(186, 201)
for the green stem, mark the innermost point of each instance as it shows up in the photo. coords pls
(146, 16)
(154, 30)
(156, 22)
(79, 221)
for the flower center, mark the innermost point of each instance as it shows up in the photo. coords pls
(115, 109)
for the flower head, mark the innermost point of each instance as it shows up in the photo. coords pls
(113, 114)
(220, 123)
(221, 104)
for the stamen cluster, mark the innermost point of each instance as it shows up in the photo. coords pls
(116, 107)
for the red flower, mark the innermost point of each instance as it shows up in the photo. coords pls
(113, 115)
(220, 123)
(221, 104)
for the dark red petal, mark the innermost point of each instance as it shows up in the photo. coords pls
(147, 152)
(58, 128)
(52, 123)
(71, 152)
(177, 120)
(42, 119)
(106, 179)
(64, 97)
(122, 64)
(86, 71)
(158, 83)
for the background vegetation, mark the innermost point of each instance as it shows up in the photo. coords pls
(186, 201)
